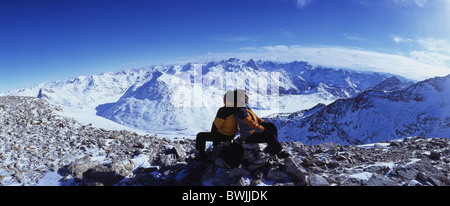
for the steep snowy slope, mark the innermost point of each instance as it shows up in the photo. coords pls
(162, 105)
(422, 109)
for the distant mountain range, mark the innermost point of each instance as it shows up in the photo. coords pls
(347, 106)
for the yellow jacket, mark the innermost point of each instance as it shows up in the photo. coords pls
(248, 122)
(225, 123)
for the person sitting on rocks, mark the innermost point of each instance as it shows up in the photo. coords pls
(224, 127)
(253, 129)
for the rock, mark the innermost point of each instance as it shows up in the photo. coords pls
(238, 172)
(260, 160)
(351, 182)
(308, 162)
(123, 168)
(276, 174)
(404, 173)
(113, 137)
(178, 151)
(333, 164)
(254, 167)
(327, 147)
(248, 154)
(144, 177)
(253, 147)
(380, 169)
(219, 162)
(427, 180)
(80, 166)
(300, 148)
(168, 160)
(434, 155)
(293, 169)
(242, 182)
(99, 176)
(221, 179)
(316, 180)
(139, 145)
(380, 180)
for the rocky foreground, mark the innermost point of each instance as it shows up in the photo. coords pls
(36, 143)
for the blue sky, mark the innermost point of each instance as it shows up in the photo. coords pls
(48, 40)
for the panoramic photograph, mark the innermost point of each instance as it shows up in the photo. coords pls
(225, 93)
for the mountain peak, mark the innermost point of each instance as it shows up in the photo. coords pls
(233, 60)
(252, 64)
(390, 84)
(230, 61)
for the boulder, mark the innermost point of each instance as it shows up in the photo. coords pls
(123, 168)
(351, 182)
(178, 151)
(380, 180)
(317, 180)
(80, 166)
(294, 169)
(276, 174)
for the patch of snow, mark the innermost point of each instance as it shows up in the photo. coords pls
(362, 176)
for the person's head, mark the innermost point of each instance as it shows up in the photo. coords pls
(228, 99)
(236, 98)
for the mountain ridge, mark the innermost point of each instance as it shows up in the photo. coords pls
(184, 97)
(419, 109)
(205, 95)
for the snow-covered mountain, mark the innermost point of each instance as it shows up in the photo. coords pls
(387, 111)
(84, 91)
(183, 99)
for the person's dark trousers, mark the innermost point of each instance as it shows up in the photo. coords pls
(269, 136)
(216, 138)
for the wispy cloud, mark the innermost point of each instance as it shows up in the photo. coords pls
(365, 3)
(420, 3)
(394, 3)
(427, 50)
(412, 66)
(353, 37)
(368, 3)
(434, 51)
(397, 39)
(303, 3)
(435, 45)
